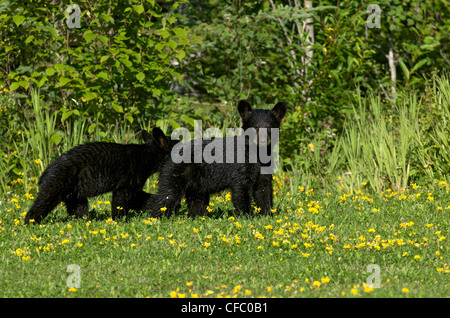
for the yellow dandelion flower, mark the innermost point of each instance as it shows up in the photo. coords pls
(367, 288)
(325, 280)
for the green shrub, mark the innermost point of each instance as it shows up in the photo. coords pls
(115, 66)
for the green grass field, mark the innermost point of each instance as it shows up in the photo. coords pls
(361, 244)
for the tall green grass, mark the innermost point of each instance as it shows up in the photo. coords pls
(389, 148)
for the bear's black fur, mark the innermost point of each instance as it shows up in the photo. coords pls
(197, 181)
(98, 167)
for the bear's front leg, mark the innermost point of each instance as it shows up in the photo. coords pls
(196, 202)
(77, 207)
(263, 194)
(241, 199)
(120, 203)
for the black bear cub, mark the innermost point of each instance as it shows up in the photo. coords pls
(236, 163)
(98, 167)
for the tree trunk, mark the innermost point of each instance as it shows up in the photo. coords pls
(391, 60)
(308, 28)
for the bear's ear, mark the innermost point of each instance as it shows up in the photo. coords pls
(244, 108)
(160, 138)
(280, 110)
(146, 136)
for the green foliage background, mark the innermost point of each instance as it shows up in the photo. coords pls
(117, 66)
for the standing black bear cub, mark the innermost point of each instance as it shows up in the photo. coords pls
(98, 167)
(235, 163)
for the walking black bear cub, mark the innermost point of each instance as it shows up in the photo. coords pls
(233, 163)
(98, 167)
